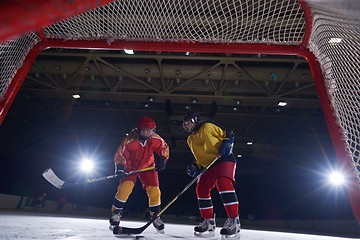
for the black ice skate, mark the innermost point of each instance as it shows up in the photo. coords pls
(159, 225)
(205, 228)
(231, 229)
(114, 219)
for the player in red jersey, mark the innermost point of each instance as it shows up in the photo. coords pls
(142, 148)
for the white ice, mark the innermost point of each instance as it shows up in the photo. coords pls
(30, 225)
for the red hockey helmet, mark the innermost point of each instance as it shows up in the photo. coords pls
(146, 122)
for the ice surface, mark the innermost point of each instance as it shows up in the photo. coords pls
(30, 225)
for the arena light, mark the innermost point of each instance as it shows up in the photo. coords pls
(250, 142)
(282, 104)
(87, 165)
(127, 51)
(194, 100)
(336, 178)
(237, 101)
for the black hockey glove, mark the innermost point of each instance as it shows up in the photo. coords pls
(192, 170)
(160, 163)
(120, 171)
(226, 147)
(227, 144)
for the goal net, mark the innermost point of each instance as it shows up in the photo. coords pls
(325, 33)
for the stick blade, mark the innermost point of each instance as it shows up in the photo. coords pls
(51, 177)
(124, 230)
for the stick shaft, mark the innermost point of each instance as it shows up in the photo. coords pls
(51, 177)
(187, 186)
(114, 175)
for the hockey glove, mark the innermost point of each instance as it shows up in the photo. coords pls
(226, 147)
(120, 171)
(192, 170)
(160, 163)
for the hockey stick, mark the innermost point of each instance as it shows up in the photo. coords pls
(126, 230)
(51, 177)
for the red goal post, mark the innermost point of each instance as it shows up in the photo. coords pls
(326, 35)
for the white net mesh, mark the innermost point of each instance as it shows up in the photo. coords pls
(212, 21)
(12, 56)
(335, 41)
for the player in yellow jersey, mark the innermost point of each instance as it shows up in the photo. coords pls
(206, 141)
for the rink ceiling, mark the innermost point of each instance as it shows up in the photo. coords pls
(238, 91)
(115, 89)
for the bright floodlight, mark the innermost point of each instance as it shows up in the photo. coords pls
(282, 104)
(336, 178)
(87, 165)
(128, 51)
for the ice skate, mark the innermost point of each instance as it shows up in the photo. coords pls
(206, 228)
(231, 229)
(159, 225)
(114, 219)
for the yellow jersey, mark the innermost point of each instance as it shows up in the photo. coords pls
(205, 143)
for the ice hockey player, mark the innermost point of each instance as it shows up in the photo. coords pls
(142, 148)
(206, 141)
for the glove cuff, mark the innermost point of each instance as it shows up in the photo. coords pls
(120, 167)
(230, 140)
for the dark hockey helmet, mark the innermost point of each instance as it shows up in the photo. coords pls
(146, 126)
(194, 118)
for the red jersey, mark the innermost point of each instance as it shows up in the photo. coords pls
(135, 154)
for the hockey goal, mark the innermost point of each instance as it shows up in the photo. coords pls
(325, 33)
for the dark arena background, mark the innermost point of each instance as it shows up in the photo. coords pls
(76, 76)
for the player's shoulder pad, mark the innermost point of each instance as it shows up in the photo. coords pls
(229, 131)
(216, 124)
(157, 136)
(134, 134)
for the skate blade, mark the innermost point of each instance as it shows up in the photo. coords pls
(206, 234)
(231, 237)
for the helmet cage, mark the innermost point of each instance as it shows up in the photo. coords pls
(194, 118)
(144, 125)
(144, 132)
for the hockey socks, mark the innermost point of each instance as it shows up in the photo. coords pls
(228, 196)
